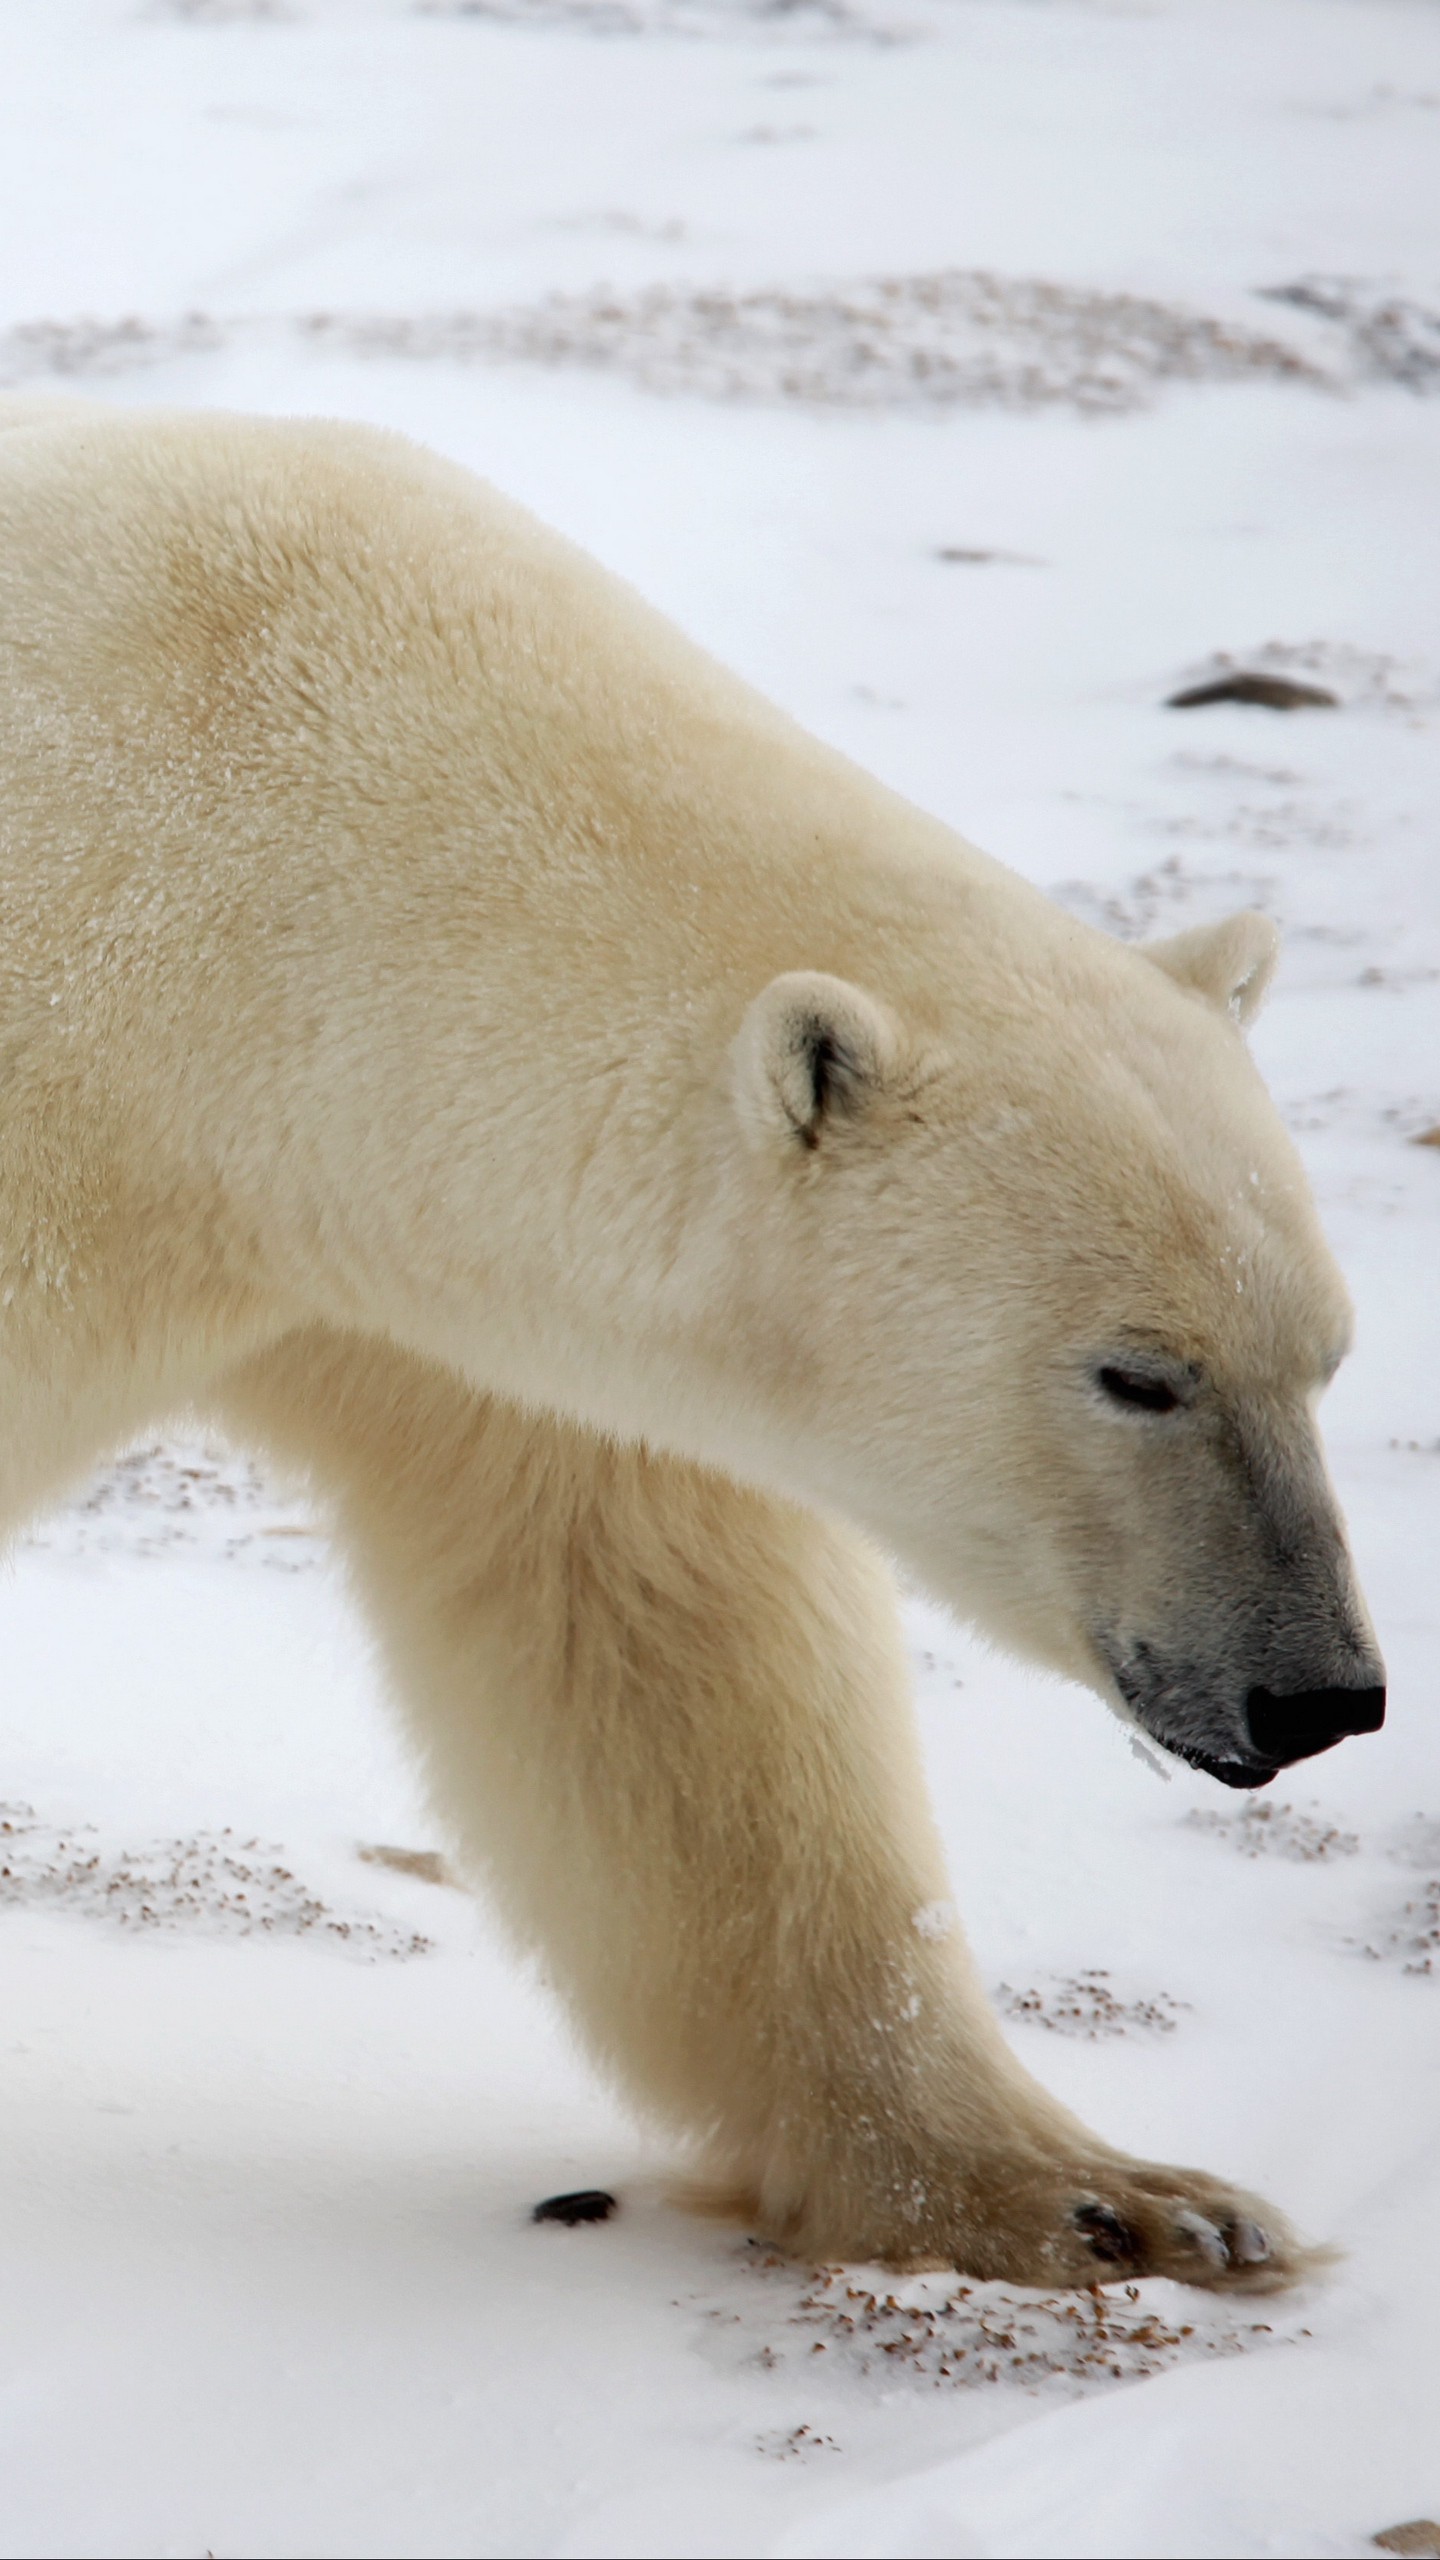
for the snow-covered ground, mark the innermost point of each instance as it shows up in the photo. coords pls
(971, 373)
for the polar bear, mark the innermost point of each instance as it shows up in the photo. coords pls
(464, 1040)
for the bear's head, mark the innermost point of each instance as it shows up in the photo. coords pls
(1047, 1308)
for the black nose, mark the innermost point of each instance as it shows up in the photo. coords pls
(1295, 1728)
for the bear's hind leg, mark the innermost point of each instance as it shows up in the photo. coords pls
(667, 1722)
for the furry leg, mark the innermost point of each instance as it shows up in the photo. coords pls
(667, 1721)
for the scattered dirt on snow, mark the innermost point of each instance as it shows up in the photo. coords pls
(960, 338)
(182, 1496)
(1223, 768)
(873, 22)
(1388, 336)
(936, 2330)
(1342, 1107)
(1290, 825)
(956, 338)
(218, 13)
(1409, 1937)
(1087, 2004)
(38, 350)
(214, 1883)
(936, 1666)
(1261, 1829)
(795, 2444)
(1169, 892)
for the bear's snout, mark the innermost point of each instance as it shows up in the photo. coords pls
(1247, 1744)
(1283, 1729)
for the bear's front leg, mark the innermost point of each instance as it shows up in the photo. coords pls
(668, 1722)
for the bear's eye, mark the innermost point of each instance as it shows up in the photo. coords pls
(1142, 1394)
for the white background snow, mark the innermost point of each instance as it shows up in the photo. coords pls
(268, 2281)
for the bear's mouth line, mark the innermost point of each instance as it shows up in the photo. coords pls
(1230, 1773)
(1229, 1769)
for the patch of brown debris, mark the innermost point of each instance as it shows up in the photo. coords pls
(941, 2331)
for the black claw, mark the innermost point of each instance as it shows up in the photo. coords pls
(588, 2204)
(1112, 2239)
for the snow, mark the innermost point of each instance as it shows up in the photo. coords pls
(276, 2113)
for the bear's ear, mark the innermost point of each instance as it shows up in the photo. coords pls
(812, 1054)
(1230, 964)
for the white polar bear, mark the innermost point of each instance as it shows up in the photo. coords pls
(458, 1035)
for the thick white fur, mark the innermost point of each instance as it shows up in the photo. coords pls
(412, 957)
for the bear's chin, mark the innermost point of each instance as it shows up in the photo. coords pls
(1230, 1773)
